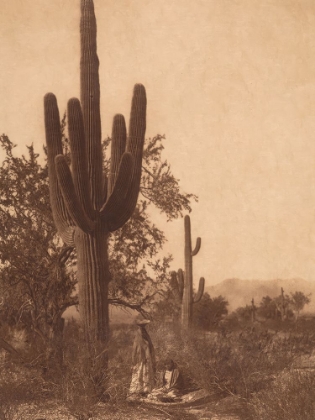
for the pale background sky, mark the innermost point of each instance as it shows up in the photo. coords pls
(231, 83)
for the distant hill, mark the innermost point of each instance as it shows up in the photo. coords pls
(240, 292)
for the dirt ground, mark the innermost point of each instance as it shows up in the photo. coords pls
(225, 409)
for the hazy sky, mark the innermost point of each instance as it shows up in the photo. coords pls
(231, 83)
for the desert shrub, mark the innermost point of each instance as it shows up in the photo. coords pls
(305, 324)
(83, 383)
(120, 361)
(79, 382)
(213, 362)
(238, 363)
(290, 397)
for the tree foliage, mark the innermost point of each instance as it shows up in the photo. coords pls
(267, 308)
(280, 307)
(244, 313)
(298, 301)
(209, 311)
(38, 277)
(158, 184)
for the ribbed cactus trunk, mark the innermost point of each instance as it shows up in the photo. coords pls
(188, 298)
(93, 278)
(187, 309)
(87, 206)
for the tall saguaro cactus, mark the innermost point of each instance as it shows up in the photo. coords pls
(185, 280)
(86, 205)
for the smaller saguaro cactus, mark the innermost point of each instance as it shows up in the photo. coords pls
(283, 305)
(182, 282)
(253, 310)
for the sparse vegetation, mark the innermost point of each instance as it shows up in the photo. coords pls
(250, 364)
(291, 396)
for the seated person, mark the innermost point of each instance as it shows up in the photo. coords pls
(171, 384)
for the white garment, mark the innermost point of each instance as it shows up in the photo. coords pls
(142, 379)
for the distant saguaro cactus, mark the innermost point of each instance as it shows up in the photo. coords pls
(87, 206)
(182, 284)
(253, 310)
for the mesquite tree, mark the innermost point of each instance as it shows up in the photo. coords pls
(37, 282)
(183, 285)
(86, 205)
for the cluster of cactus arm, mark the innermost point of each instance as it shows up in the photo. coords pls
(82, 197)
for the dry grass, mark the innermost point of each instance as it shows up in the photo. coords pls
(248, 366)
(290, 397)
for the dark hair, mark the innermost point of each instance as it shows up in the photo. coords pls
(169, 362)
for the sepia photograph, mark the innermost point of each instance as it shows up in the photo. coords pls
(157, 210)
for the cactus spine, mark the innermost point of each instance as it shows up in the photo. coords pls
(183, 286)
(87, 206)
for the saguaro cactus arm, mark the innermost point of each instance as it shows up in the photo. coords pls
(62, 219)
(121, 187)
(137, 126)
(78, 156)
(201, 289)
(197, 247)
(118, 147)
(69, 195)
